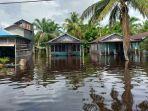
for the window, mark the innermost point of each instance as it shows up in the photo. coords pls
(63, 48)
(78, 47)
(52, 48)
(73, 47)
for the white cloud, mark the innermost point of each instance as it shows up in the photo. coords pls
(57, 10)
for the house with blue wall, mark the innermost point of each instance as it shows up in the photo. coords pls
(113, 44)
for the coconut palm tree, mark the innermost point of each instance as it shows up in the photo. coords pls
(118, 9)
(73, 25)
(46, 30)
(135, 25)
(144, 27)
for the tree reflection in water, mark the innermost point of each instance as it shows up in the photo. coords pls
(108, 83)
(125, 103)
(127, 95)
(143, 105)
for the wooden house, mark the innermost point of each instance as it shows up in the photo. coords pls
(113, 44)
(136, 40)
(65, 45)
(22, 28)
(16, 40)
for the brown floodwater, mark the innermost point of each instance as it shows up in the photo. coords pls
(92, 83)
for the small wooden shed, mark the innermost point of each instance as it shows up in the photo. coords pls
(65, 45)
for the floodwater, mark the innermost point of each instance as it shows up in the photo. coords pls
(92, 83)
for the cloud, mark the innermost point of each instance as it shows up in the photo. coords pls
(57, 10)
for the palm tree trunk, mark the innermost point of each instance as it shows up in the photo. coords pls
(125, 29)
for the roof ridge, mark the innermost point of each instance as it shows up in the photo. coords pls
(63, 35)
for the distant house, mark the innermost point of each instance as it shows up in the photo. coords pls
(16, 40)
(65, 45)
(113, 44)
(21, 28)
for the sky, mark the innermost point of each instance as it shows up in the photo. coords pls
(57, 10)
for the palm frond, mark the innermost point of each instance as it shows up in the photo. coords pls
(141, 5)
(37, 24)
(111, 4)
(115, 14)
(94, 9)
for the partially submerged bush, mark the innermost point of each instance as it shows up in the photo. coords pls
(4, 60)
(144, 44)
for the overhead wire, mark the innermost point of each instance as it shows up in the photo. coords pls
(20, 2)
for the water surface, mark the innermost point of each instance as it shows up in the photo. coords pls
(92, 83)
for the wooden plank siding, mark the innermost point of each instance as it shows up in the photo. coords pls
(65, 45)
(113, 44)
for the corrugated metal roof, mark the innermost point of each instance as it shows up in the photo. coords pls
(65, 38)
(139, 36)
(21, 21)
(109, 38)
(4, 33)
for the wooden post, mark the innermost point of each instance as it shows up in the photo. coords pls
(54, 48)
(108, 48)
(82, 53)
(47, 50)
(50, 56)
(135, 48)
(100, 49)
(80, 50)
(105, 49)
(15, 53)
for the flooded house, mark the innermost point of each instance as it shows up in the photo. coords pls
(16, 40)
(110, 44)
(65, 45)
(113, 44)
(136, 40)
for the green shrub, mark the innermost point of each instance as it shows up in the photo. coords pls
(4, 60)
(144, 44)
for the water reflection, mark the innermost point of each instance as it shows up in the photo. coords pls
(121, 97)
(69, 84)
(65, 63)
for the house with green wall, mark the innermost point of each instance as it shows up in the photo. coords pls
(65, 45)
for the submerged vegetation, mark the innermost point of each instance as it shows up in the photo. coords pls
(144, 44)
(4, 60)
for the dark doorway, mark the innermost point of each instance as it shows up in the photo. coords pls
(119, 48)
(7, 52)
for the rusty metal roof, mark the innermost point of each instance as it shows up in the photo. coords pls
(139, 37)
(109, 38)
(65, 38)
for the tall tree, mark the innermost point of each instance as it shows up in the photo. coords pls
(118, 9)
(46, 30)
(73, 25)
